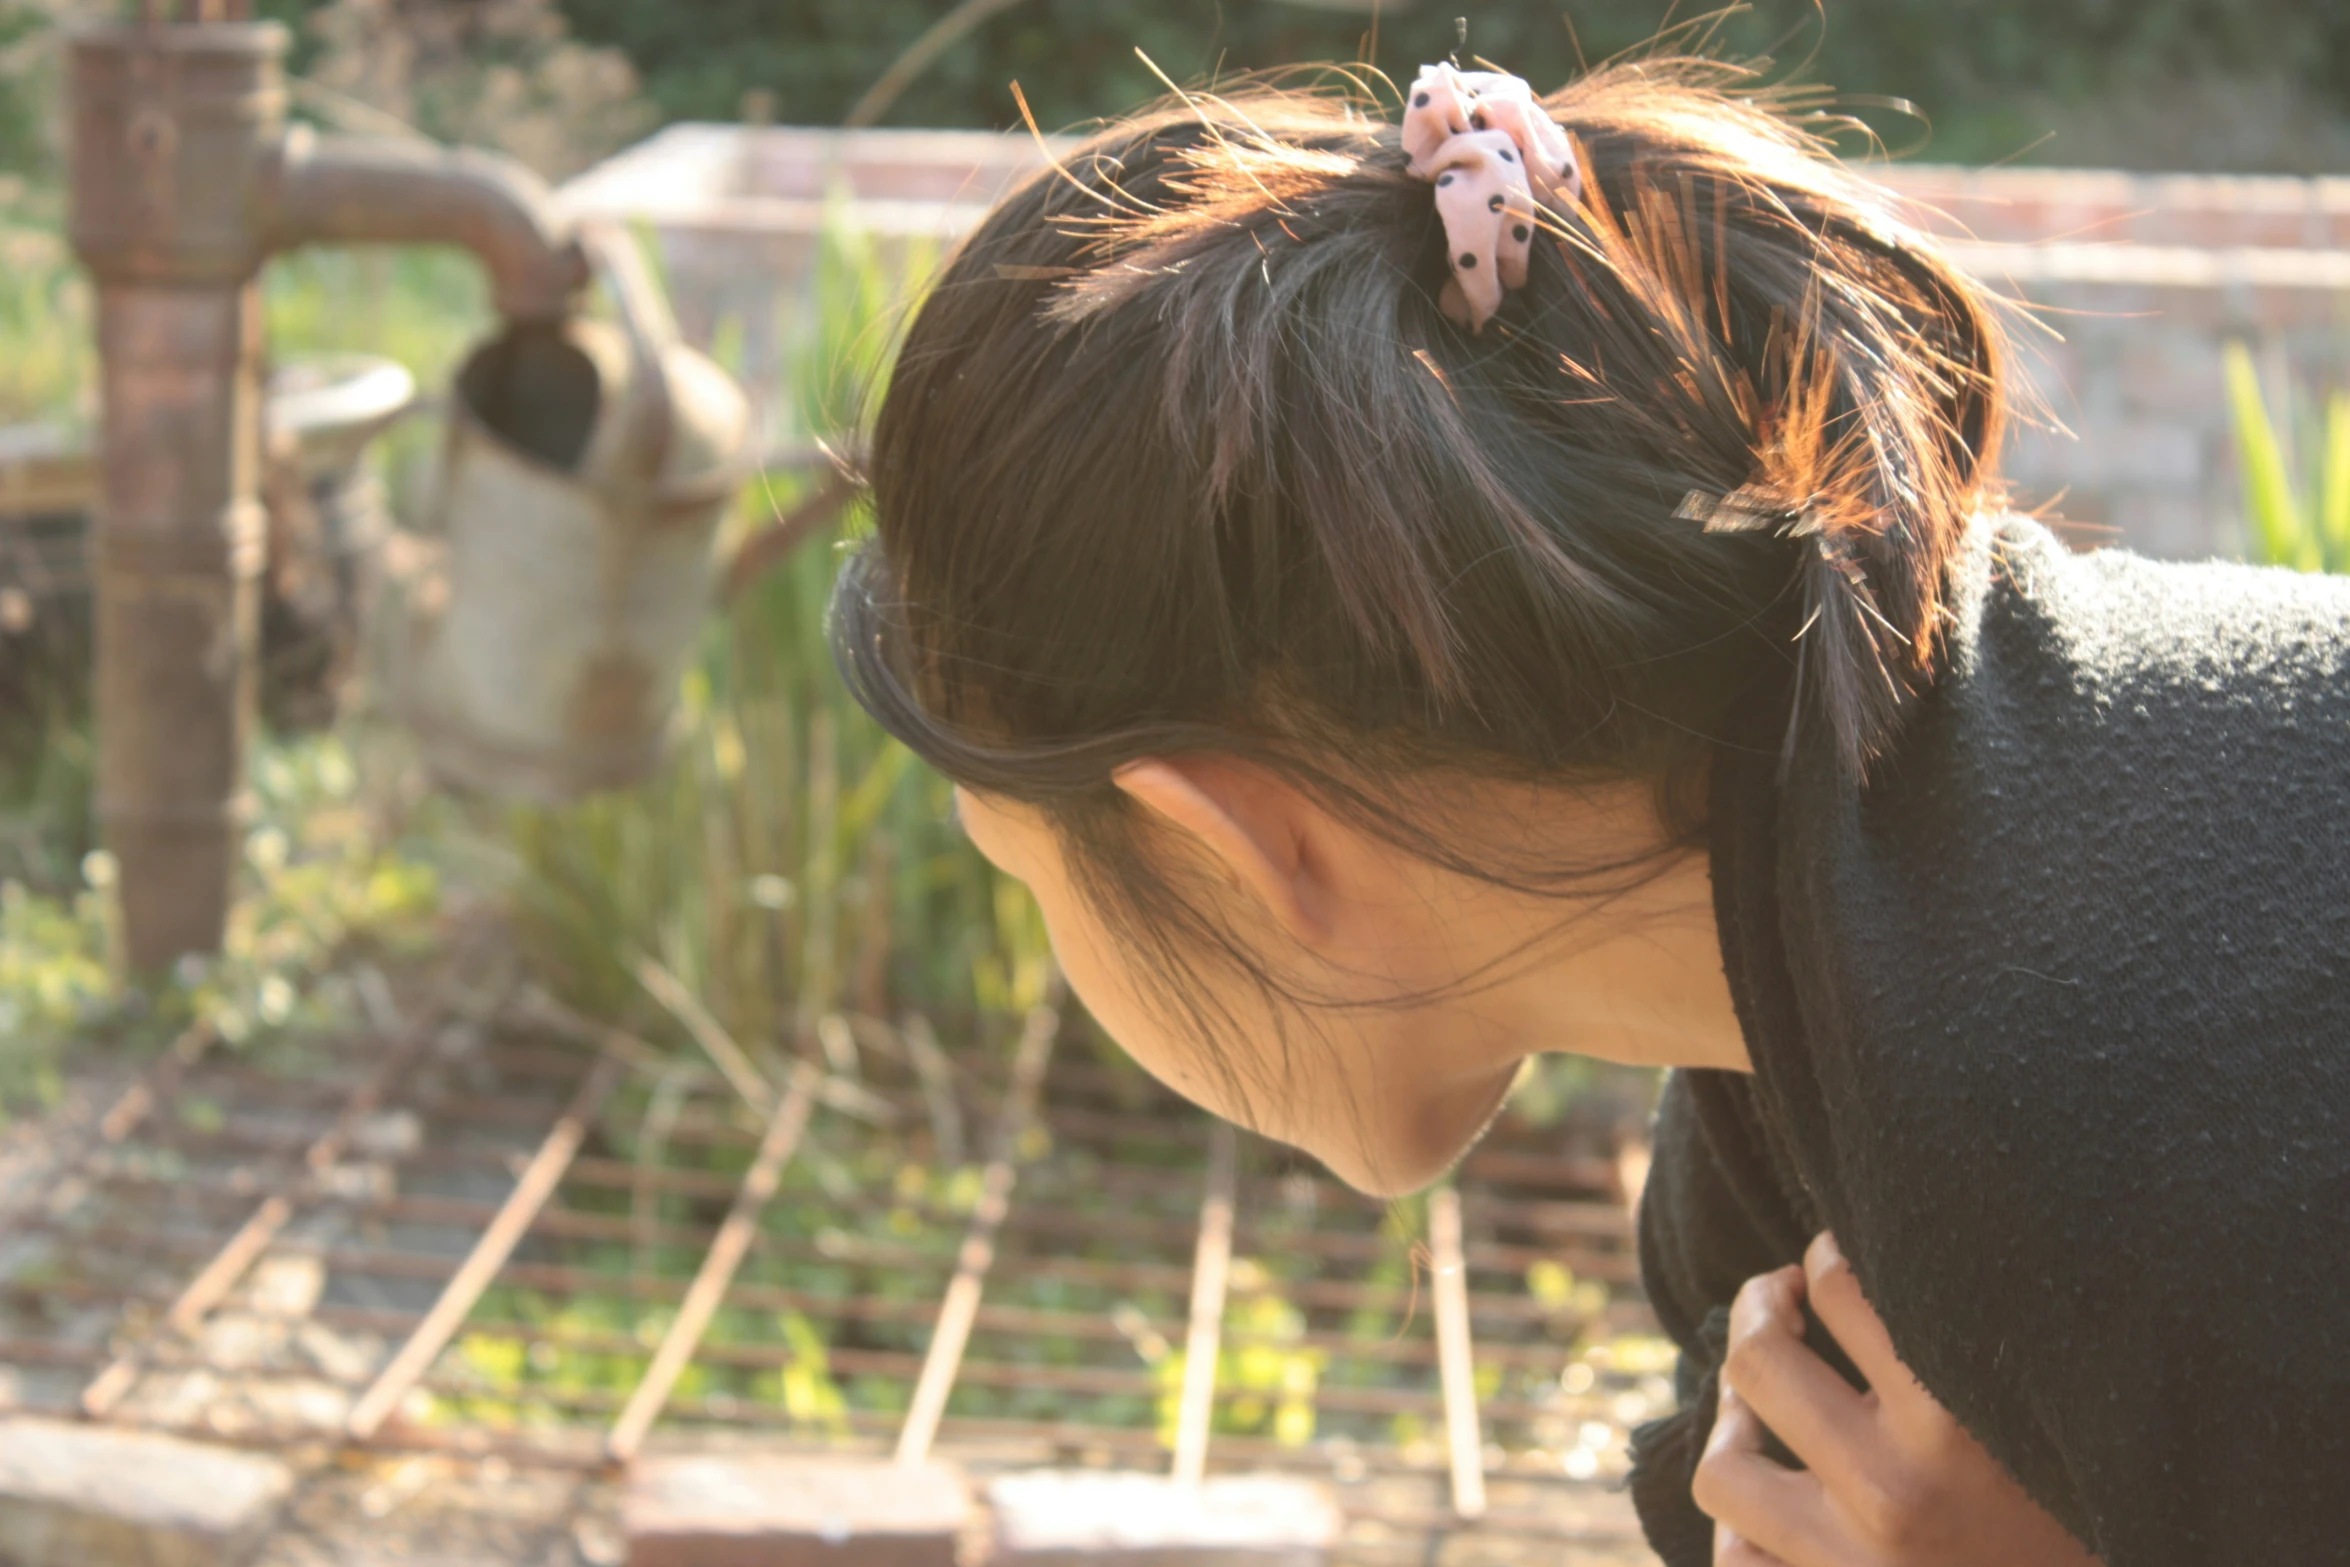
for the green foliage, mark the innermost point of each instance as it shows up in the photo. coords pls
(1554, 1287)
(46, 767)
(505, 76)
(424, 307)
(2311, 534)
(792, 861)
(1981, 72)
(1985, 74)
(1548, 1084)
(1992, 76)
(804, 1384)
(28, 85)
(47, 362)
(1265, 1377)
(54, 979)
(319, 875)
(319, 880)
(529, 1352)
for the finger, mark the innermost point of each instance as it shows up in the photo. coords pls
(1792, 1390)
(1846, 1313)
(1767, 1509)
(1768, 1300)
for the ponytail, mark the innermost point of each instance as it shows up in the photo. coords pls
(1183, 452)
(1868, 394)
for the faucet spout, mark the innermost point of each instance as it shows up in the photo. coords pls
(351, 190)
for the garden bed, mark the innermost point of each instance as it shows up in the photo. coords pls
(1328, 1364)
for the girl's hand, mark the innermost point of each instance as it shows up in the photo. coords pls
(1893, 1480)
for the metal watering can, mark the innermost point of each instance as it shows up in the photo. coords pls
(586, 471)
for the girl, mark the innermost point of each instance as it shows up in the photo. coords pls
(1410, 597)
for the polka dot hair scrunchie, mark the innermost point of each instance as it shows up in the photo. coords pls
(1496, 158)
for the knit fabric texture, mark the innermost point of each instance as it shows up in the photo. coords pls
(2050, 1022)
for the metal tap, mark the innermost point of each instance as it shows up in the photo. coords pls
(185, 178)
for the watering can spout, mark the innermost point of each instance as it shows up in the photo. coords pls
(588, 465)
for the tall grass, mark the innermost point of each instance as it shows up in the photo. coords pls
(423, 306)
(2298, 512)
(47, 361)
(793, 862)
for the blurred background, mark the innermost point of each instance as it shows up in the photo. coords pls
(2201, 85)
(778, 883)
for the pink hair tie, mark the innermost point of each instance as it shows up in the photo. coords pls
(1496, 158)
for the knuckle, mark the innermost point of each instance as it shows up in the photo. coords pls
(1744, 1361)
(1762, 1303)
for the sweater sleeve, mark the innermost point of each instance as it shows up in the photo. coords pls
(1714, 1214)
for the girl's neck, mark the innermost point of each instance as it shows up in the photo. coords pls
(1636, 978)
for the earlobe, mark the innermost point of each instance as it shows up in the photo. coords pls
(1249, 825)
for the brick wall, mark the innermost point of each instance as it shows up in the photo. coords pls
(2128, 286)
(2135, 283)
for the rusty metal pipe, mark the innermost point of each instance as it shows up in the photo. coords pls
(343, 190)
(184, 179)
(180, 544)
(171, 128)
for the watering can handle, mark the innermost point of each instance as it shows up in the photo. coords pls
(652, 330)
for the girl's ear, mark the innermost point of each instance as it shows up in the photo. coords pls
(1261, 832)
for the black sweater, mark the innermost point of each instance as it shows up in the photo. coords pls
(2051, 1024)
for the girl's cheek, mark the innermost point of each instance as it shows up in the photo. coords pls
(1101, 978)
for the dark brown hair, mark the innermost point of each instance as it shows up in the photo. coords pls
(1180, 455)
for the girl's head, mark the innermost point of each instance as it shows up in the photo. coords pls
(1210, 553)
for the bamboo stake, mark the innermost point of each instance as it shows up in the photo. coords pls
(1455, 1362)
(960, 1307)
(715, 1041)
(734, 1063)
(1211, 1274)
(937, 1079)
(718, 1267)
(514, 1219)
